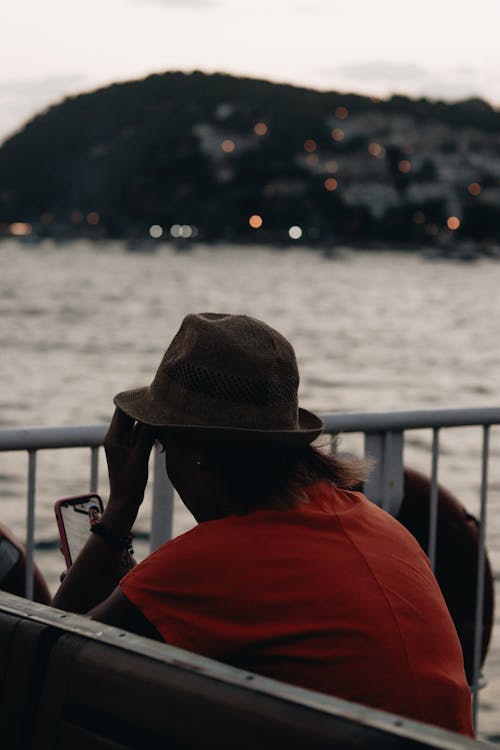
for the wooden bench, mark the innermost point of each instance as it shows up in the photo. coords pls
(69, 682)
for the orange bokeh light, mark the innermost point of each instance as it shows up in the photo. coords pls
(255, 221)
(20, 229)
(310, 146)
(375, 149)
(474, 188)
(338, 134)
(453, 222)
(404, 166)
(228, 146)
(331, 184)
(260, 128)
(93, 218)
(342, 113)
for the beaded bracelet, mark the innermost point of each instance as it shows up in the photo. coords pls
(120, 542)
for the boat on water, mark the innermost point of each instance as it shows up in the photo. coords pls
(67, 681)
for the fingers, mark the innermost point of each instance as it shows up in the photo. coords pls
(128, 446)
(124, 430)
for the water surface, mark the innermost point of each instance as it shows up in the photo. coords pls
(372, 332)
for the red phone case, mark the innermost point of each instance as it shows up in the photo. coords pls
(68, 502)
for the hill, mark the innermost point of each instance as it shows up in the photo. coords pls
(195, 154)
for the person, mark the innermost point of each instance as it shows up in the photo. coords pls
(288, 573)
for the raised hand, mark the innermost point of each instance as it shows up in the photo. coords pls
(127, 445)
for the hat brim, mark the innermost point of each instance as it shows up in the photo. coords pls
(139, 405)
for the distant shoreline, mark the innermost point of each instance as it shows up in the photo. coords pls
(217, 158)
(459, 250)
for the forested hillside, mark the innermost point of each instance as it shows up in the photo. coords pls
(243, 159)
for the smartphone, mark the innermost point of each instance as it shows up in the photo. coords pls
(75, 516)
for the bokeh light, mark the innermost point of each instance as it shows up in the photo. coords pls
(341, 113)
(20, 229)
(404, 166)
(184, 231)
(228, 146)
(331, 184)
(295, 232)
(260, 128)
(375, 149)
(155, 231)
(93, 218)
(338, 134)
(310, 146)
(453, 223)
(255, 221)
(474, 188)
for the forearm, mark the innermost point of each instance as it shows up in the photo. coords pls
(97, 569)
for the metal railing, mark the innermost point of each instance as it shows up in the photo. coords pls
(384, 441)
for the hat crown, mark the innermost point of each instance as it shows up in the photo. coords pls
(236, 361)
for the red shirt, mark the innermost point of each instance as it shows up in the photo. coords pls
(334, 595)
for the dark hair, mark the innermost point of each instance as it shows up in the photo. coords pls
(264, 477)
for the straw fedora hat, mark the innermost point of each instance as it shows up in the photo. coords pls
(226, 377)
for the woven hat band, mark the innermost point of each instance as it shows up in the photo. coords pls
(225, 386)
(181, 406)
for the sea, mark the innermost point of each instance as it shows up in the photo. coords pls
(373, 330)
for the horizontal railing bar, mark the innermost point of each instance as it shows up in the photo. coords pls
(409, 420)
(36, 438)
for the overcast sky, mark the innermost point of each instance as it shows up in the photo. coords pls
(438, 48)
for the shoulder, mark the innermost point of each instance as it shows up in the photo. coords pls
(198, 553)
(364, 522)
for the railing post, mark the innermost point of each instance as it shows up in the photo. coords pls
(385, 482)
(478, 627)
(94, 468)
(30, 526)
(163, 502)
(433, 500)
